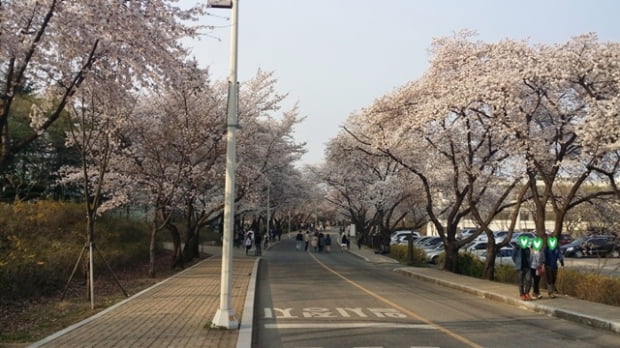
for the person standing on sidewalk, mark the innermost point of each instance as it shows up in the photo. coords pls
(552, 256)
(537, 268)
(521, 258)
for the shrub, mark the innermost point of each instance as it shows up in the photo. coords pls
(506, 274)
(40, 243)
(589, 287)
(469, 264)
(399, 252)
(585, 286)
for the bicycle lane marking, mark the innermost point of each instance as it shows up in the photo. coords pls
(399, 307)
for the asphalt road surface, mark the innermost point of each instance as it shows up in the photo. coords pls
(338, 300)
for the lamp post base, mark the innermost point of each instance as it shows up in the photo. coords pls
(225, 319)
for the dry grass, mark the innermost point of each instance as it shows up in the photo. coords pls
(27, 321)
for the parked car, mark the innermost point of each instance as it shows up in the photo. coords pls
(564, 239)
(430, 243)
(599, 246)
(403, 240)
(466, 233)
(475, 247)
(433, 254)
(397, 235)
(516, 235)
(497, 235)
(420, 241)
(503, 256)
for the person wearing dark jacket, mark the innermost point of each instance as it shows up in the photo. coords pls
(257, 245)
(552, 257)
(521, 258)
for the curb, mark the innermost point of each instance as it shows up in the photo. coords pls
(592, 321)
(244, 338)
(384, 259)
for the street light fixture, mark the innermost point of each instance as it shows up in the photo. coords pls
(225, 315)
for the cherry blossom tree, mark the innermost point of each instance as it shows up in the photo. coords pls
(54, 46)
(366, 187)
(565, 120)
(485, 117)
(94, 118)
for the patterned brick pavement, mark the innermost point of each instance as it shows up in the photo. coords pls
(174, 313)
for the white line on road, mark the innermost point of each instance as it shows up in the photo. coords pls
(347, 326)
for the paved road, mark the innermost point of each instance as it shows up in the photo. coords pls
(338, 300)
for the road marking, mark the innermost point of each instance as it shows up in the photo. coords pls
(401, 308)
(336, 325)
(321, 312)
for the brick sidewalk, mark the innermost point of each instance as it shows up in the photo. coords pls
(171, 314)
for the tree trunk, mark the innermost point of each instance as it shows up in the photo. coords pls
(489, 265)
(191, 249)
(177, 255)
(410, 249)
(451, 261)
(152, 248)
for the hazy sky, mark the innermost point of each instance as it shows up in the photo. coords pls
(335, 57)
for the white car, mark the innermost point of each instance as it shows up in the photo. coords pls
(404, 240)
(503, 257)
(497, 235)
(466, 233)
(395, 237)
(476, 247)
(433, 254)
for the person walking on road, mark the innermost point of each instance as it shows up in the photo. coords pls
(257, 245)
(328, 242)
(552, 257)
(521, 258)
(315, 242)
(306, 240)
(299, 238)
(344, 242)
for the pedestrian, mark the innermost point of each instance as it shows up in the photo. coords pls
(521, 258)
(300, 240)
(248, 243)
(257, 245)
(344, 242)
(315, 242)
(240, 238)
(321, 241)
(328, 242)
(552, 257)
(306, 240)
(537, 268)
(360, 241)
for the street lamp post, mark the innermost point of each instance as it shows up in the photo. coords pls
(225, 315)
(268, 235)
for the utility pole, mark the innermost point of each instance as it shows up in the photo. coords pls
(225, 315)
(268, 209)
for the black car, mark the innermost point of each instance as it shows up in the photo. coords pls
(599, 246)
